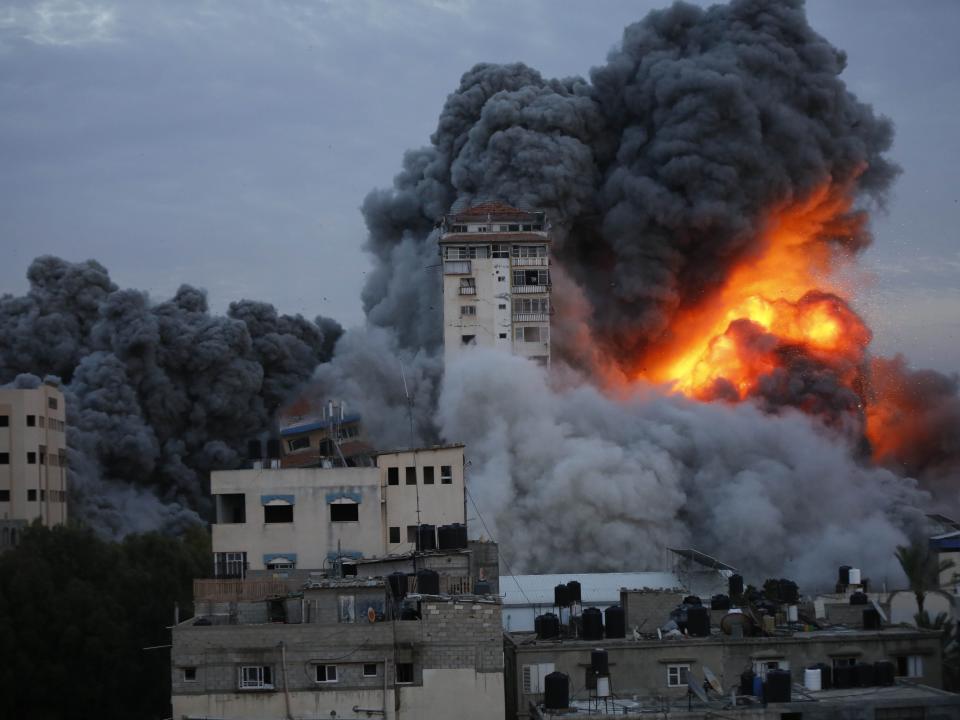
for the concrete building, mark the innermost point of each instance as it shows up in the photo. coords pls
(496, 280)
(328, 435)
(282, 519)
(33, 459)
(346, 648)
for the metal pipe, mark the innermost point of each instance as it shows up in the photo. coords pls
(286, 691)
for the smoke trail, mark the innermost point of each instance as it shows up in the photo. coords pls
(157, 394)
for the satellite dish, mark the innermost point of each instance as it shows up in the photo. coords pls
(695, 688)
(712, 679)
(371, 614)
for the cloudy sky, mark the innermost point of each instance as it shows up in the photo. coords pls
(229, 144)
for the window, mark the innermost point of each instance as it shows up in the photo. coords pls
(468, 311)
(52, 403)
(4, 496)
(31, 420)
(4, 421)
(189, 674)
(503, 336)
(446, 474)
(393, 476)
(677, 675)
(395, 534)
(346, 608)
(4, 458)
(404, 673)
(468, 339)
(31, 458)
(428, 475)
(910, 666)
(411, 476)
(31, 495)
(326, 673)
(532, 333)
(526, 251)
(530, 305)
(531, 277)
(534, 677)
(468, 284)
(256, 677)
(501, 251)
(278, 513)
(369, 669)
(43, 494)
(229, 564)
(231, 508)
(411, 533)
(344, 512)
(300, 443)
(471, 252)
(502, 306)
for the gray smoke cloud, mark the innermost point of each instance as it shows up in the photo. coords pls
(658, 175)
(158, 394)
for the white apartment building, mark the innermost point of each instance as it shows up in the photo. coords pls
(308, 518)
(33, 459)
(496, 280)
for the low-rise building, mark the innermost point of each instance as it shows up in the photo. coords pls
(33, 459)
(348, 647)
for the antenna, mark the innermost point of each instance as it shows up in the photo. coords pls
(406, 393)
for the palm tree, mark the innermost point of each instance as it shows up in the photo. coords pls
(922, 568)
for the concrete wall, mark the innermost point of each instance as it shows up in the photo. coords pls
(640, 667)
(649, 609)
(45, 479)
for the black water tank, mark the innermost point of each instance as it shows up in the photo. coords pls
(843, 576)
(844, 676)
(482, 587)
(777, 687)
(864, 674)
(573, 592)
(692, 600)
(698, 621)
(254, 450)
(884, 673)
(547, 626)
(556, 691)
(426, 537)
(871, 619)
(452, 537)
(859, 598)
(735, 586)
(428, 582)
(788, 591)
(273, 448)
(615, 622)
(592, 624)
(826, 675)
(398, 584)
(746, 682)
(720, 602)
(599, 662)
(349, 570)
(409, 613)
(560, 596)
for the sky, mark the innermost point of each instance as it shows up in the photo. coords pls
(228, 144)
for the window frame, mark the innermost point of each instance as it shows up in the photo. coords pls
(681, 670)
(410, 475)
(393, 476)
(262, 677)
(429, 475)
(375, 673)
(446, 474)
(276, 510)
(326, 672)
(468, 311)
(406, 666)
(391, 535)
(188, 669)
(338, 505)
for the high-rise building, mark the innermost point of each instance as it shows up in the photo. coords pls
(33, 459)
(496, 280)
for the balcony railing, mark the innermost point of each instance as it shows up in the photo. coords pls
(456, 267)
(468, 291)
(530, 289)
(224, 590)
(530, 262)
(531, 317)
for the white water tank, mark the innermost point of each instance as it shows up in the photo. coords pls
(854, 576)
(793, 614)
(603, 687)
(812, 680)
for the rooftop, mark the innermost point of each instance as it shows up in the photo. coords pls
(491, 208)
(594, 587)
(425, 448)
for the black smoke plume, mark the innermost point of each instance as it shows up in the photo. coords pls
(158, 394)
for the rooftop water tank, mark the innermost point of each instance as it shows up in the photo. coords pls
(871, 619)
(273, 448)
(746, 682)
(398, 584)
(547, 626)
(592, 624)
(615, 622)
(859, 598)
(864, 674)
(698, 621)
(844, 677)
(556, 695)
(854, 576)
(574, 592)
(735, 585)
(826, 675)
(426, 538)
(560, 596)
(884, 673)
(428, 582)
(692, 600)
(812, 679)
(776, 689)
(720, 602)
(482, 587)
(843, 575)
(254, 450)
(452, 537)
(599, 662)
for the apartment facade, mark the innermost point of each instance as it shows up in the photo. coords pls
(33, 459)
(309, 518)
(496, 280)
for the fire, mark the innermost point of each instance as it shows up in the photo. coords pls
(781, 302)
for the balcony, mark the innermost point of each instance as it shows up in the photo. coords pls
(468, 291)
(531, 317)
(530, 289)
(520, 262)
(456, 267)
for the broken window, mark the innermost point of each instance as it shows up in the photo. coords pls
(411, 476)
(299, 443)
(468, 339)
(531, 334)
(344, 512)
(393, 476)
(278, 513)
(404, 673)
(428, 475)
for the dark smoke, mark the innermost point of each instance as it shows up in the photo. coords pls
(158, 394)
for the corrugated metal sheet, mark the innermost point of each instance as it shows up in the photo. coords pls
(595, 588)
